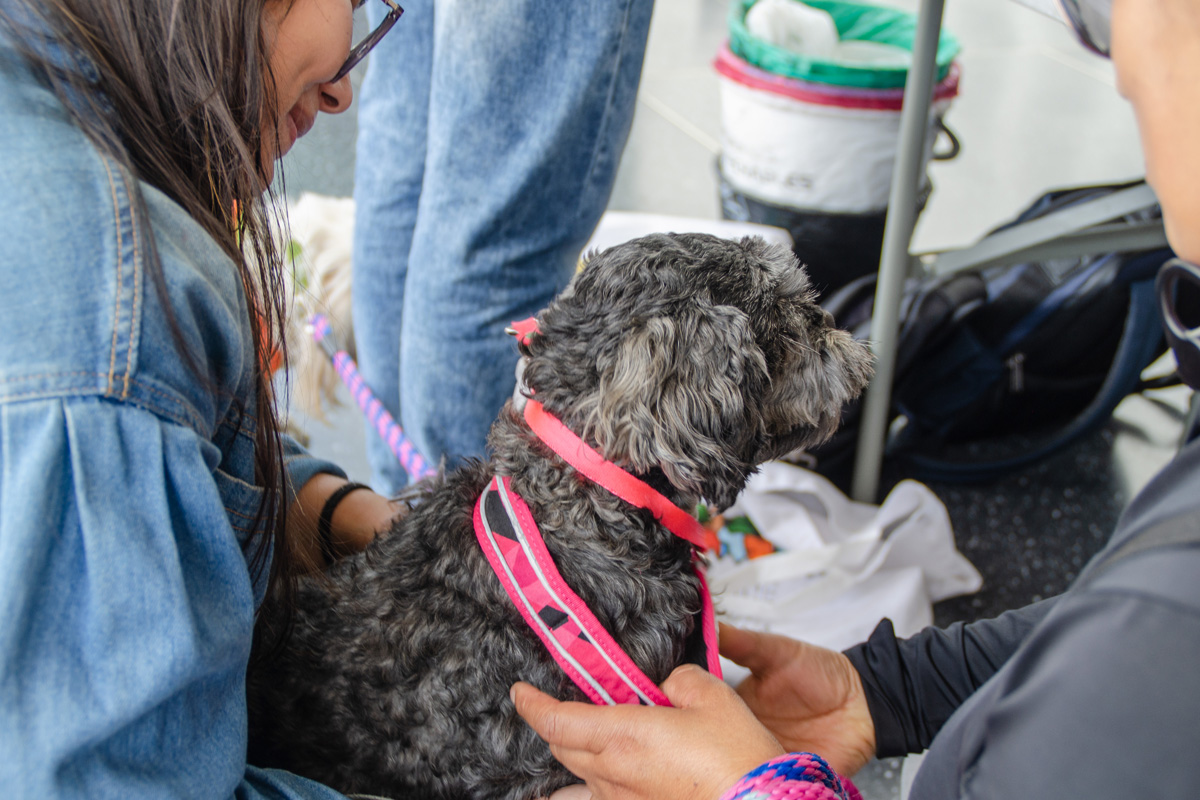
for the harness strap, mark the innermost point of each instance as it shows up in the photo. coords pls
(593, 466)
(1182, 530)
(589, 463)
(574, 637)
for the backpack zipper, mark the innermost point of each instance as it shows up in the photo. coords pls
(1016, 372)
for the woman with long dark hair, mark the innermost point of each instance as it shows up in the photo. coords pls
(148, 501)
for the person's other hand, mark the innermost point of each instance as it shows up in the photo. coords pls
(697, 749)
(810, 698)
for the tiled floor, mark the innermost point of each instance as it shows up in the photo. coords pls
(1035, 112)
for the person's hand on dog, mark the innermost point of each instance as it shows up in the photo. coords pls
(697, 749)
(811, 699)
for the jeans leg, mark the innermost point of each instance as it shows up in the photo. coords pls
(393, 104)
(530, 106)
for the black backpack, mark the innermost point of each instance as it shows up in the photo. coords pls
(1000, 366)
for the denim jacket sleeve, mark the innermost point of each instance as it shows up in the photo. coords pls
(126, 482)
(125, 624)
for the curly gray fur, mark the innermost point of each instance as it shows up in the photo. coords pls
(686, 359)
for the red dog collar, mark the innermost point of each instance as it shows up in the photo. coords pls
(573, 636)
(596, 468)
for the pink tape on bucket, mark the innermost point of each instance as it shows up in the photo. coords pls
(730, 66)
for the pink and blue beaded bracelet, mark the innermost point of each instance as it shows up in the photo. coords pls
(802, 776)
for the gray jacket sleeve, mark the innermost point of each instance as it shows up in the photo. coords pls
(1100, 699)
(914, 685)
(1094, 694)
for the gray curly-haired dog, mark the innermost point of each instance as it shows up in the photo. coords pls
(687, 360)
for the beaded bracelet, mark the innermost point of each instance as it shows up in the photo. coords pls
(325, 520)
(802, 776)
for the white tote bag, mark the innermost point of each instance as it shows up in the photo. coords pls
(840, 566)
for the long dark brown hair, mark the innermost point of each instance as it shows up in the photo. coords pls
(176, 91)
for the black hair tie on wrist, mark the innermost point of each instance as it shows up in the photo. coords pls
(325, 520)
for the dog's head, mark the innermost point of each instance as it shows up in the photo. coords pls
(699, 356)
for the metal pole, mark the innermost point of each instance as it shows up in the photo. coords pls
(897, 236)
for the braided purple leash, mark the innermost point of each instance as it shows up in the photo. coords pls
(377, 415)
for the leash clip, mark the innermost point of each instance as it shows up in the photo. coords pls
(524, 330)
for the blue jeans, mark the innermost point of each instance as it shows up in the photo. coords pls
(489, 138)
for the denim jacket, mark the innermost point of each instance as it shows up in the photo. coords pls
(126, 484)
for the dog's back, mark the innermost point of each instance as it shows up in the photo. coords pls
(395, 679)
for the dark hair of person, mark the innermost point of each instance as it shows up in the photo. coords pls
(182, 89)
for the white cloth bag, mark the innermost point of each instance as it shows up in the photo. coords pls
(841, 566)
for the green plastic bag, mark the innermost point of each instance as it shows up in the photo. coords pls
(854, 21)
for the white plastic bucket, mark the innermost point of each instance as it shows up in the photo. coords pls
(810, 145)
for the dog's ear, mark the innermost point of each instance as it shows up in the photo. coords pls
(817, 377)
(681, 392)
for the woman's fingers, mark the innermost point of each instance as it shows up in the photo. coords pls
(758, 652)
(690, 685)
(695, 749)
(738, 645)
(565, 725)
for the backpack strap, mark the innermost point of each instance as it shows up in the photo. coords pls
(1138, 346)
(1182, 530)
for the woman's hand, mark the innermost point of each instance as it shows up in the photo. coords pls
(697, 749)
(810, 698)
(355, 522)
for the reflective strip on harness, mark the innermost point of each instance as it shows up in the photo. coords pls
(571, 633)
(596, 468)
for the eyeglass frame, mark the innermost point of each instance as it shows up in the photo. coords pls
(1091, 23)
(360, 50)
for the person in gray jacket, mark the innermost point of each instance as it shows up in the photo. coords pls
(1093, 694)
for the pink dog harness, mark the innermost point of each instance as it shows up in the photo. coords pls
(574, 637)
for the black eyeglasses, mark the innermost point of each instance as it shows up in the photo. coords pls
(362, 48)
(1092, 21)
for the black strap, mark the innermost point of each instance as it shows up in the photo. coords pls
(1181, 530)
(325, 520)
